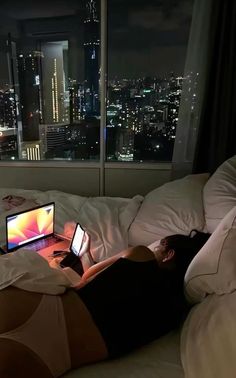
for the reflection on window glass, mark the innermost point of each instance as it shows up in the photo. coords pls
(49, 80)
(147, 42)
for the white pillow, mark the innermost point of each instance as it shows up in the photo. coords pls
(213, 269)
(208, 347)
(153, 245)
(175, 207)
(219, 194)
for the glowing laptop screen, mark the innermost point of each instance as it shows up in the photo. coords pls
(28, 226)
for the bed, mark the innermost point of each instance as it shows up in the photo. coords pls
(193, 202)
(157, 360)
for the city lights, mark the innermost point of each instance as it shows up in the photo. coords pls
(50, 95)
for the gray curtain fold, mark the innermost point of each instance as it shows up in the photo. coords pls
(193, 89)
(216, 140)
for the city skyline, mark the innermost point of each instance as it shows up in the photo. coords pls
(52, 101)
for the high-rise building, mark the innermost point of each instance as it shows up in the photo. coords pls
(53, 83)
(76, 98)
(29, 82)
(7, 109)
(55, 136)
(8, 143)
(31, 150)
(91, 52)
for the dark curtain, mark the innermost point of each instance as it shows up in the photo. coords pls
(216, 140)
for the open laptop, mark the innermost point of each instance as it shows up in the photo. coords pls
(33, 229)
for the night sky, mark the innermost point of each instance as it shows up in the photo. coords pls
(146, 37)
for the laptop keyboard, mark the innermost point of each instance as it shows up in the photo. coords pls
(44, 243)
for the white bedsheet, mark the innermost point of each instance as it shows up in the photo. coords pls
(160, 359)
(107, 219)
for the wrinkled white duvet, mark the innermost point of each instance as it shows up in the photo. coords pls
(29, 271)
(106, 219)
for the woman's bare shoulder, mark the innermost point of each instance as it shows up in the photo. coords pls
(139, 253)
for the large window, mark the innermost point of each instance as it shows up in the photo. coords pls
(147, 43)
(49, 80)
(50, 83)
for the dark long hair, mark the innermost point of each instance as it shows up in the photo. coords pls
(186, 247)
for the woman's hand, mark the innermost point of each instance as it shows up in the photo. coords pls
(85, 248)
(69, 229)
(85, 254)
(55, 262)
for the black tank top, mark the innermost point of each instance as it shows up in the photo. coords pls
(133, 303)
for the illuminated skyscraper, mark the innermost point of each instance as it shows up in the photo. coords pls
(29, 74)
(91, 52)
(77, 110)
(31, 150)
(7, 109)
(53, 80)
(55, 102)
(8, 143)
(55, 136)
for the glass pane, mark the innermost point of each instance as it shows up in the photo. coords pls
(147, 43)
(49, 80)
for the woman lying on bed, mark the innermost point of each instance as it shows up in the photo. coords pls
(122, 303)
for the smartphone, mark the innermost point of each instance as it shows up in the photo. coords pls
(72, 259)
(58, 253)
(77, 240)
